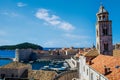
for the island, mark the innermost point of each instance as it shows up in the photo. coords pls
(25, 45)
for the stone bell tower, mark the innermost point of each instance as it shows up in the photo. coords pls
(104, 32)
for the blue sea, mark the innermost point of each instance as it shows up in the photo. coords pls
(5, 54)
(35, 65)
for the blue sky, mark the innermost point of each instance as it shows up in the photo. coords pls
(54, 23)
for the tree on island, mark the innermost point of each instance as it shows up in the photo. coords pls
(25, 45)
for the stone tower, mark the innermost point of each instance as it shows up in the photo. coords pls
(104, 32)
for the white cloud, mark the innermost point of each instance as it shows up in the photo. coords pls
(20, 4)
(66, 26)
(53, 20)
(72, 36)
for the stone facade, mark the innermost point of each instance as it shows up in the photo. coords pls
(32, 55)
(14, 70)
(68, 75)
(23, 54)
(104, 32)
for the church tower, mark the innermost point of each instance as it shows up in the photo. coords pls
(104, 32)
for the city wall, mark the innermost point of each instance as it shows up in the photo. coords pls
(30, 55)
(68, 75)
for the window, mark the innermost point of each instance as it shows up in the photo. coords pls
(91, 76)
(104, 17)
(84, 68)
(12, 75)
(106, 46)
(2, 76)
(87, 71)
(99, 17)
(105, 32)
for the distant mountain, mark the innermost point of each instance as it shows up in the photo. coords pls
(25, 45)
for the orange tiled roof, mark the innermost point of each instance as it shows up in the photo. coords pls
(109, 61)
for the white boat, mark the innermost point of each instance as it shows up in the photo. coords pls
(31, 61)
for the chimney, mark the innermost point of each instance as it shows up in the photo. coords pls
(90, 62)
(106, 70)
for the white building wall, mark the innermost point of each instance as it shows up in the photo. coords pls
(88, 73)
(74, 62)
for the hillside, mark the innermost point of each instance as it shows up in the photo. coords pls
(25, 45)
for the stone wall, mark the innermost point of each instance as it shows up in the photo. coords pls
(68, 75)
(14, 72)
(30, 55)
(52, 57)
(23, 54)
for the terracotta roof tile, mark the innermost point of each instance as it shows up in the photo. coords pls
(109, 61)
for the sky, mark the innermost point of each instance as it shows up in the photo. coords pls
(55, 23)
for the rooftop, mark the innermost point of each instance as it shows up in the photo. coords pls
(102, 10)
(109, 61)
(91, 53)
(42, 75)
(14, 65)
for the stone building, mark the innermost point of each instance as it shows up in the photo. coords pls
(106, 63)
(15, 70)
(23, 54)
(103, 67)
(68, 75)
(86, 72)
(104, 32)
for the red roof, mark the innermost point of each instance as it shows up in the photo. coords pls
(109, 61)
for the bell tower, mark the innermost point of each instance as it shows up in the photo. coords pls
(104, 32)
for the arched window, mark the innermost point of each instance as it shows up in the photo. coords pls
(99, 17)
(104, 17)
(105, 31)
(106, 46)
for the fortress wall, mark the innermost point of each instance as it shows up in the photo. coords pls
(68, 75)
(28, 54)
(42, 56)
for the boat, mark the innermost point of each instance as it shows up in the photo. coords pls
(31, 61)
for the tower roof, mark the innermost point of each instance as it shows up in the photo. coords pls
(102, 10)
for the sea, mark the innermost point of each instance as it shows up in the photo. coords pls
(35, 65)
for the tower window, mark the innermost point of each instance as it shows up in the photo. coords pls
(99, 17)
(105, 32)
(104, 18)
(106, 47)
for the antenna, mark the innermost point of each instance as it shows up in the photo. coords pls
(101, 3)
